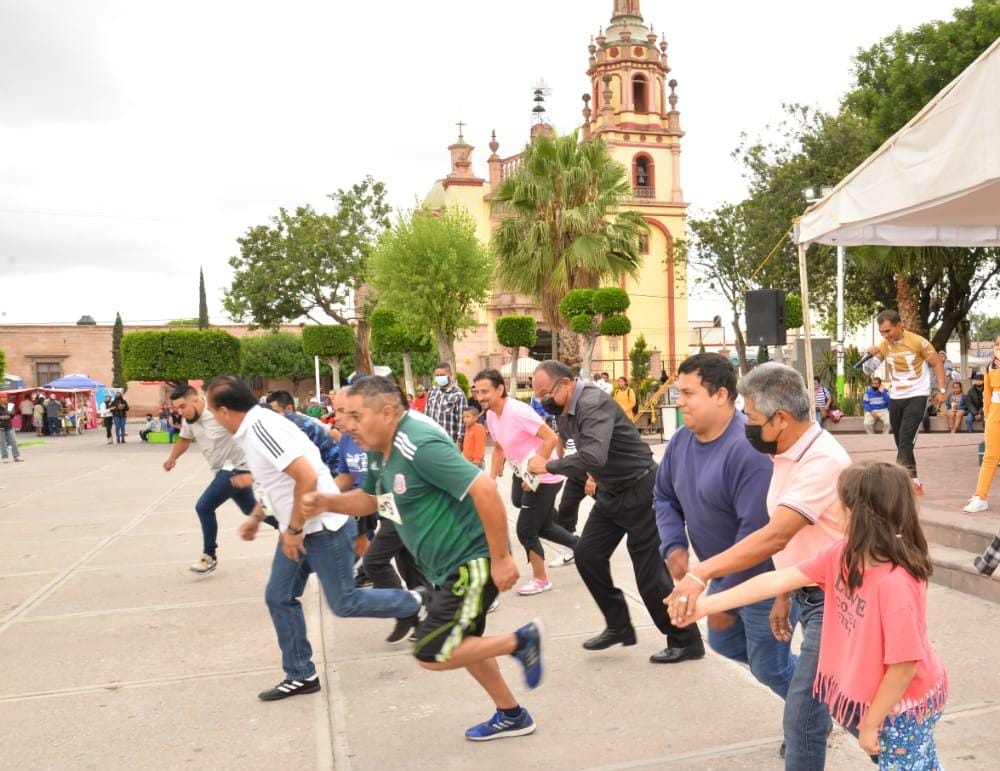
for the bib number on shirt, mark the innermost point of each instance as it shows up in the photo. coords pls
(387, 508)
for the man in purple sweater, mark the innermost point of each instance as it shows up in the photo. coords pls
(711, 487)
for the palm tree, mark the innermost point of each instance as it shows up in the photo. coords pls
(561, 228)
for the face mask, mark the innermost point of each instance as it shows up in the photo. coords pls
(754, 437)
(441, 380)
(551, 407)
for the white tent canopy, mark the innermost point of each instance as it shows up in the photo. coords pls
(525, 367)
(936, 182)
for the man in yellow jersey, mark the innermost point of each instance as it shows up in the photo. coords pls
(908, 360)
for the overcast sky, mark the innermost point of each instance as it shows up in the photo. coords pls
(139, 139)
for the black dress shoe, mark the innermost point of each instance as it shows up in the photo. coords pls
(609, 637)
(672, 655)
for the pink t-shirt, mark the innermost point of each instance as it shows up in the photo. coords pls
(805, 480)
(516, 431)
(884, 622)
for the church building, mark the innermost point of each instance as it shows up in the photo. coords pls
(632, 106)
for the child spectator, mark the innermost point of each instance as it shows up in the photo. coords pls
(474, 441)
(955, 407)
(878, 671)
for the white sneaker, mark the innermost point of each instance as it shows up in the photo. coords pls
(205, 564)
(563, 559)
(534, 586)
(493, 605)
(976, 504)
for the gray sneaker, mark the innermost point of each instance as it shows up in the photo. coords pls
(205, 564)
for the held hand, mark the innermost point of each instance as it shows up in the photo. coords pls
(868, 739)
(504, 573)
(780, 618)
(526, 487)
(536, 465)
(590, 487)
(241, 481)
(313, 504)
(677, 564)
(940, 398)
(292, 546)
(168, 464)
(248, 528)
(680, 616)
(873, 351)
(682, 600)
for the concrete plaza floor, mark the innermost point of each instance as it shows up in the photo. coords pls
(115, 656)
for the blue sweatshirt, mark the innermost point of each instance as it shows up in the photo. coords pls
(875, 400)
(717, 489)
(353, 460)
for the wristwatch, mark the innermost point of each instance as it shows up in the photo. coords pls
(293, 530)
(942, 391)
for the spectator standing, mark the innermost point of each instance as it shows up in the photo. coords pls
(446, 402)
(315, 409)
(38, 416)
(602, 383)
(119, 411)
(625, 397)
(474, 441)
(106, 417)
(955, 407)
(7, 435)
(876, 405)
(991, 454)
(974, 398)
(53, 417)
(419, 402)
(27, 409)
(822, 398)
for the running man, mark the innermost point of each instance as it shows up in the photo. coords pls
(451, 518)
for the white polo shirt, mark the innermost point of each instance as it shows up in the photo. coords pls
(271, 442)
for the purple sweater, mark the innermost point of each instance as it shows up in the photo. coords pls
(717, 489)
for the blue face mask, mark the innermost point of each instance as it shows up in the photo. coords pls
(441, 380)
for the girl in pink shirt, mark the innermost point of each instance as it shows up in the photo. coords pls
(878, 672)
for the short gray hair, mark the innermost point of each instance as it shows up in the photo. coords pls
(772, 387)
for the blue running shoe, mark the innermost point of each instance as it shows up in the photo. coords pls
(530, 651)
(500, 726)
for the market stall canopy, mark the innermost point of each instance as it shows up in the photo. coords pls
(74, 382)
(936, 182)
(525, 367)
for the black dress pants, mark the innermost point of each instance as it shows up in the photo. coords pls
(905, 416)
(384, 546)
(628, 513)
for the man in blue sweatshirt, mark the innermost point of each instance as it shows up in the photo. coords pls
(876, 404)
(711, 488)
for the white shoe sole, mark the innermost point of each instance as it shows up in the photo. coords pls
(561, 561)
(503, 735)
(975, 509)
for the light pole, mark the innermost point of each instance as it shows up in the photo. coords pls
(811, 197)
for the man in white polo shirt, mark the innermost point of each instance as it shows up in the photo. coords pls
(802, 506)
(288, 465)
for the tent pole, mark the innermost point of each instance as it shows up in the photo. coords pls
(804, 288)
(840, 325)
(316, 365)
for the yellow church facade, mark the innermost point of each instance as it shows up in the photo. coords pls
(632, 106)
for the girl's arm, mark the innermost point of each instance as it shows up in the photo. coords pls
(760, 587)
(894, 683)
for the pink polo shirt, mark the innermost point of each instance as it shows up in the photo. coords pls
(805, 480)
(516, 431)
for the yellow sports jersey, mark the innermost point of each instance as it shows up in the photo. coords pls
(908, 365)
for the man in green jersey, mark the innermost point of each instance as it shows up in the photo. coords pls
(450, 517)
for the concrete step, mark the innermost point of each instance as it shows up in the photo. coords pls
(953, 568)
(956, 529)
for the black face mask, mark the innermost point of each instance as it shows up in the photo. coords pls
(754, 437)
(551, 407)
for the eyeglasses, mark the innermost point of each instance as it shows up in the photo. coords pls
(543, 396)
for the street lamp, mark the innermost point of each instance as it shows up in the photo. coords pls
(810, 195)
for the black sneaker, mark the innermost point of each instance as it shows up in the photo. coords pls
(402, 630)
(289, 687)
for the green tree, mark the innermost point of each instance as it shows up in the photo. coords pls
(433, 272)
(331, 342)
(516, 332)
(274, 356)
(983, 328)
(562, 227)
(117, 378)
(311, 264)
(390, 335)
(3, 364)
(639, 358)
(595, 312)
(179, 355)
(182, 323)
(202, 301)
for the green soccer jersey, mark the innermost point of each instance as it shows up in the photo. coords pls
(423, 488)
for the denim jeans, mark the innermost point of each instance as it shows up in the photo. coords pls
(120, 428)
(750, 641)
(54, 428)
(219, 490)
(806, 719)
(7, 437)
(331, 555)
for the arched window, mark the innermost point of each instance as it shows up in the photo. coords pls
(639, 102)
(642, 177)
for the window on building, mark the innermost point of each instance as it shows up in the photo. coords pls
(642, 177)
(639, 93)
(47, 371)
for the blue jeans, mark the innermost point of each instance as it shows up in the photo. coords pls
(7, 437)
(54, 426)
(331, 555)
(120, 428)
(218, 492)
(750, 641)
(806, 719)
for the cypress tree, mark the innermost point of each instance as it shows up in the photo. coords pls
(202, 301)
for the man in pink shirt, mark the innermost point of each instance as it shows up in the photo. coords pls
(801, 502)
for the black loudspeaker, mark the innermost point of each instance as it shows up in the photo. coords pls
(765, 317)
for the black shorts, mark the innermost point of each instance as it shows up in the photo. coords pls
(456, 610)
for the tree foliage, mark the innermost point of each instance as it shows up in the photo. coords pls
(331, 342)
(595, 312)
(983, 328)
(433, 272)
(202, 301)
(516, 332)
(562, 228)
(393, 339)
(118, 380)
(178, 355)
(3, 364)
(274, 356)
(639, 359)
